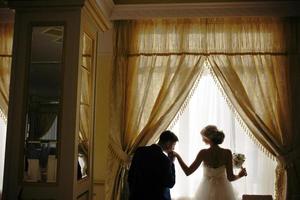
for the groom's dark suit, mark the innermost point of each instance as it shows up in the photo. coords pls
(151, 174)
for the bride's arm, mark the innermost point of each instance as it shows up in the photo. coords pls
(189, 169)
(229, 169)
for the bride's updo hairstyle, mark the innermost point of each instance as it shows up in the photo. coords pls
(213, 134)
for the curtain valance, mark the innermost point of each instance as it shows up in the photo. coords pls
(208, 36)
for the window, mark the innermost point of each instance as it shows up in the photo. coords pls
(2, 150)
(208, 106)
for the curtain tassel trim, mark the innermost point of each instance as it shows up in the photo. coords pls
(3, 116)
(186, 101)
(279, 170)
(237, 116)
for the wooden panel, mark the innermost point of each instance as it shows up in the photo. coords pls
(176, 1)
(257, 197)
(99, 190)
(84, 196)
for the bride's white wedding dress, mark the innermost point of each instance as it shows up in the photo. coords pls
(215, 185)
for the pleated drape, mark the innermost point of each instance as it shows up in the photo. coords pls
(157, 62)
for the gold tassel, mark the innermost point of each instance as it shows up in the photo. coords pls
(186, 101)
(2, 115)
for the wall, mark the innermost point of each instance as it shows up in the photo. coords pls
(294, 183)
(102, 123)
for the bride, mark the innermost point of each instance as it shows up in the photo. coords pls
(218, 171)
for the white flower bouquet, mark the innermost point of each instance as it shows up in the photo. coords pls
(238, 159)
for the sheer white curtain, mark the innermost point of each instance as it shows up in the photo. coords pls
(2, 150)
(208, 106)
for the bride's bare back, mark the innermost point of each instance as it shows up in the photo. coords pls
(215, 157)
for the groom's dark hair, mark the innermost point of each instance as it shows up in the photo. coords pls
(167, 136)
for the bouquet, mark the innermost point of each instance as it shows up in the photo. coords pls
(238, 159)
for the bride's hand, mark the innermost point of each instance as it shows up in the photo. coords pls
(243, 172)
(171, 156)
(175, 154)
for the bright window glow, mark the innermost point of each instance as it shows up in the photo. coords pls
(207, 106)
(2, 150)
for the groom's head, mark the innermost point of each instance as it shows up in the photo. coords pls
(167, 141)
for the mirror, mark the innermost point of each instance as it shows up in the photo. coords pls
(85, 107)
(43, 104)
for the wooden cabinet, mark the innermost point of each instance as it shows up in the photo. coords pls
(49, 152)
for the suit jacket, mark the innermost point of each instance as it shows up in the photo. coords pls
(151, 174)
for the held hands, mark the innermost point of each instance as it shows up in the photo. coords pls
(243, 172)
(172, 155)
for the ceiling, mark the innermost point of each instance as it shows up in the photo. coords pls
(141, 9)
(180, 1)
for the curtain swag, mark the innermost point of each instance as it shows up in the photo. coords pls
(158, 62)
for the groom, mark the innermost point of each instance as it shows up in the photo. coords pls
(152, 172)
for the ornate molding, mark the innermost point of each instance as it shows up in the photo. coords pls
(267, 8)
(43, 3)
(106, 6)
(99, 11)
(98, 14)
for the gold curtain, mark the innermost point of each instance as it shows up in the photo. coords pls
(85, 95)
(84, 123)
(6, 40)
(84, 113)
(152, 77)
(251, 60)
(156, 65)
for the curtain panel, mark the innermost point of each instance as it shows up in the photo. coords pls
(157, 62)
(6, 41)
(255, 74)
(148, 89)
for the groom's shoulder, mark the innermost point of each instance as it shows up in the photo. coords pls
(139, 153)
(148, 149)
(141, 149)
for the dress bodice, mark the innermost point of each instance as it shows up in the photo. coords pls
(214, 173)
